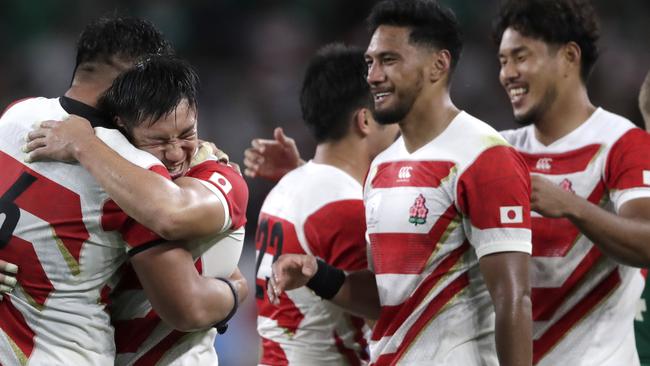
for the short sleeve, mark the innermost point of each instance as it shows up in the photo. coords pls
(229, 186)
(627, 171)
(136, 236)
(493, 195)
(336, 233)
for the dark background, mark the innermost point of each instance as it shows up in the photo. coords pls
(251, 55)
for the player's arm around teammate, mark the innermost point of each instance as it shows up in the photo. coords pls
(189, 210)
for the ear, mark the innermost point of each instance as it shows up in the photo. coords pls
(440, 65)
(117, 121)
(572, 55)
(361, 121)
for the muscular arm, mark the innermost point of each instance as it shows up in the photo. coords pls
(625, 237)
(183, 298)
(358, 294)
(183, 209)
(506, 277)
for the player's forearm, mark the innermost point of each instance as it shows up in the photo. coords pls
(178, 293)
(144, 195)
(513, 330)
(359, 295)
(626, 240)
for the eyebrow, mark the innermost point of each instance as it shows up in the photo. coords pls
(514, 51)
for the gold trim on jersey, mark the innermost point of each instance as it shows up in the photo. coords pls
(453, 224)
(495, 140)
(22, 358)
(69, 259)
(32, 302)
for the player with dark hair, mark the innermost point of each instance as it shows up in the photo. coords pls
(447, 213)
(68, 238)
(155, 104)
(591, 186)
(317, 209)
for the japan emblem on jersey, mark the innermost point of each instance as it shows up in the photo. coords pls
(511, 214)
(418, 212)
(221, 181)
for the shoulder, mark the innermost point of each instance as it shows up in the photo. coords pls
(37, 108)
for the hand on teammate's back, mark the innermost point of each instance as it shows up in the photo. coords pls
(289, 272)
(271, 159)
(56, 140)
(8, 281)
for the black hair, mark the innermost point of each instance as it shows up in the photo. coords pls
(555, 22)
(153, 88)
(430, 23)
(122, 38)
(333, 88)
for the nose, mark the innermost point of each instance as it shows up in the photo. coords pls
(174, 152)
(375, 74)
(508, 72)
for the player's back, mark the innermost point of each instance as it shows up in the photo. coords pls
(315, 209)
(67, 239)
(584, 302)
(431, 215)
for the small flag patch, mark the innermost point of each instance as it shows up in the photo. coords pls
(221, 181)
(511, 214)
(646, 177)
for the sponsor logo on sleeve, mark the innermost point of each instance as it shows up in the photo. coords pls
(221, 181)
(511, 214)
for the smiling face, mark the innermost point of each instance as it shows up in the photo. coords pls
(172, 138)
(530, 75)
(395, 73)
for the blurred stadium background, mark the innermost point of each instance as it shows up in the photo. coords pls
(251, 55)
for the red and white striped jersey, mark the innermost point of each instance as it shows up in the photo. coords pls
(584, 302)
(316, 209)
(431, 215)
(141, 337)
(68, 240)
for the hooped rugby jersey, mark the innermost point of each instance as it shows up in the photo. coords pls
(583, 301)
(315, 209)
(431, 215)
(141, 337)
(68, 240)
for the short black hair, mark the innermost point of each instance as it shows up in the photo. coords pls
(333, 88)
(431, 24)
(555, 22)
(124, 38)
(153, 88)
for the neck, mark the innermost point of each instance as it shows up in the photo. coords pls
(429, 117)
(83, 94)
(349, 155)
(570, 109)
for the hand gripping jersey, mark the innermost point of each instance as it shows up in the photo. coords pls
(431, 215)
(583, 302)
(315, 209)
(68, 240)
(141, 337)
